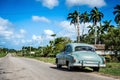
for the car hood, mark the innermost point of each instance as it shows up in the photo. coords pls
(86, 55)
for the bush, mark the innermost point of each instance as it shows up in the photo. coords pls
(108, 58)
(118, 58)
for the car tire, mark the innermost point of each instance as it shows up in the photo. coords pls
(58, 65)
(96, 69)
(70, 68)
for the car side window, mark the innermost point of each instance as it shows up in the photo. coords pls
(68, 49)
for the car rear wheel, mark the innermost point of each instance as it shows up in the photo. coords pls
(96, 69)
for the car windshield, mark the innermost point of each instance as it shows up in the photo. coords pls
(84, 48)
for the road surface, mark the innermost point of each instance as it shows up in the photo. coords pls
(14, 68)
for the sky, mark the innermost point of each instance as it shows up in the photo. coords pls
(32, 22)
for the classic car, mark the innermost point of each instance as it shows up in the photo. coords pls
(80, 55)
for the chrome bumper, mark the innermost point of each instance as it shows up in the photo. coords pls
(84, 63)
(88, 65)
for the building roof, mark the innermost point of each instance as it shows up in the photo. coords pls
(100, 46)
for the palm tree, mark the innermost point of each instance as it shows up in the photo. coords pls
(75, 16)
(90, 36)
(91, 30)
(117, 15)
(100, 32)
(107, 25)
(84, 18)
(95, 16)
(53, 35)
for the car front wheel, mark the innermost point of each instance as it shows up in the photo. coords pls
(58, 65)
(70, 68)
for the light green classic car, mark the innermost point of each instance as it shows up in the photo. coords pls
(80, 55)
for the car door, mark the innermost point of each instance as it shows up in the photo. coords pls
(68, 50)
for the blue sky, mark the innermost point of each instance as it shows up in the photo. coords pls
(31, 22)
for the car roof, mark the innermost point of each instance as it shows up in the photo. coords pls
(80, 44)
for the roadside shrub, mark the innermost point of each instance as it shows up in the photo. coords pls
(108, 58)
(118, 58)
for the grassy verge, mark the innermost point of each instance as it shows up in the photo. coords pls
(112, 68)
(2, 54)
(44, 59)
(48, 60)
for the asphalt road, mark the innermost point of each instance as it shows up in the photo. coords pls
(14, 68)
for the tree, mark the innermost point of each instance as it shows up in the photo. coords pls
(47, 51)
(53, 35)
(117, 15)
(60, 44)
(90, 35)
(83, 19)
(91, 30)
(112, 40)
(95, 16)
(75, 17)
(100, 32)
(107, 25)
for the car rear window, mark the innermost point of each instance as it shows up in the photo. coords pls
(84, 48)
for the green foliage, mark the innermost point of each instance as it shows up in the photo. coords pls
(112, 69)
(118, 58)
(112, 40)
(75, 19)
(60, 44)
(117, 14)
(108, 58)
(3, 54)
(96, 15)
(47, 59)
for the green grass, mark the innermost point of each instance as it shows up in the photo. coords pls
(112, 68)
(48, 60)
(2, 55)
(44, 59)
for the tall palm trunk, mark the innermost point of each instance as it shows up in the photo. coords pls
(95, 26)
(95, 34)
(78, 30)
(78, 33)
(83, 29)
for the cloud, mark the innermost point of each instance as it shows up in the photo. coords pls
(5, 22)
(22, 31)
(6, 29)
(8, 34)
(66, 24)
(90, 3)
(23, 41)
(36, 38)
(48, 32)
(40, 19)
(49, 3)
(67, 31)
(70, 30)
(18, 34)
